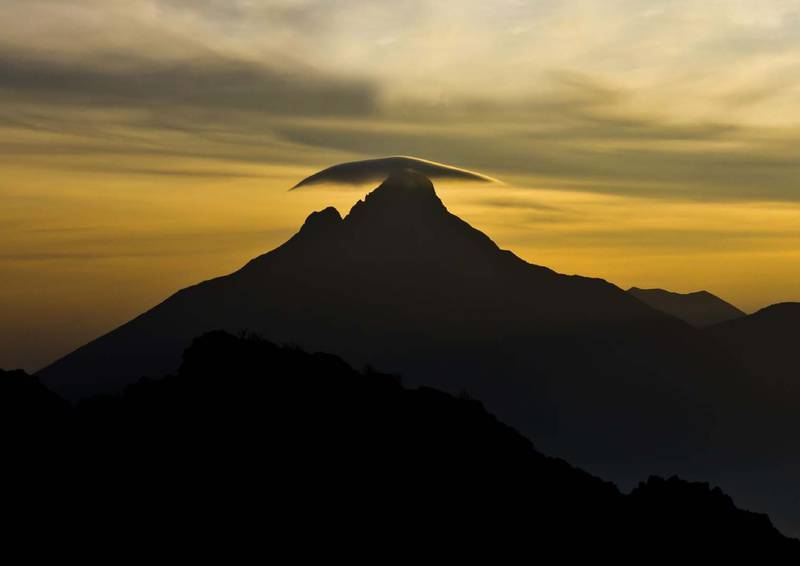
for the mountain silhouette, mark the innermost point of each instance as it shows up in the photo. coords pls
(26, 403)
(248, 425)
(766, 343)
(699, 309)
(594, 374)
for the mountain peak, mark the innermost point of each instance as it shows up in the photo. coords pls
(406, 186)
(321, 220)
(409, 181)
(404, 195)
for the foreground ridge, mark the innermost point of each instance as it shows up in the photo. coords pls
(333, 437)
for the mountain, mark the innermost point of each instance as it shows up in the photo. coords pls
(247, 425)
(26, 403)
(403, 284)
(766, 343)
(699, 309)
(592, 373)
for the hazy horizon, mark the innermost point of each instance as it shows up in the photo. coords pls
(150, 145)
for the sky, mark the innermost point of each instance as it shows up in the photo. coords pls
(146, 145)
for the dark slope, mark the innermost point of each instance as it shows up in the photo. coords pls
(699, 309)
(26, 403)
(765, 345)
(588, 370)
(766, 342)
(329, 451)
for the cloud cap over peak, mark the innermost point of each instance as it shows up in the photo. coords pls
(371, 170)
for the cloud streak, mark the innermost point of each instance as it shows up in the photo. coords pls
(121, 79)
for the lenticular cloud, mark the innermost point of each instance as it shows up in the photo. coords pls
(369, 170)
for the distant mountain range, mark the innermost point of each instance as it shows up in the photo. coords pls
(321, 450)
(589, 371)
(699, 309)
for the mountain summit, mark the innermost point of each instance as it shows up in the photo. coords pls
(406, 196)
(407, 186)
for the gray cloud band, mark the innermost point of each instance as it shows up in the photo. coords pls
(229, 108)
(114, 79)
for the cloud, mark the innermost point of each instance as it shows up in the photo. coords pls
(169, 172)
(371, 170)
(96, 243)
(682, 100)
(609, 154)
(518, 203)
(213, 82)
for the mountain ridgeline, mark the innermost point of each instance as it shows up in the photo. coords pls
(700, 309)
(589, 371)
(765, 343)
(245, 424)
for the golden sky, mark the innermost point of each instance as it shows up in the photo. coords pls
(148, 144)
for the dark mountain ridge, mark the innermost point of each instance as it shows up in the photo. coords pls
(765, 342)
(330, 437)
(700, 309)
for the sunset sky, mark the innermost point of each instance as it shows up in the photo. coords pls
(146, 145)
